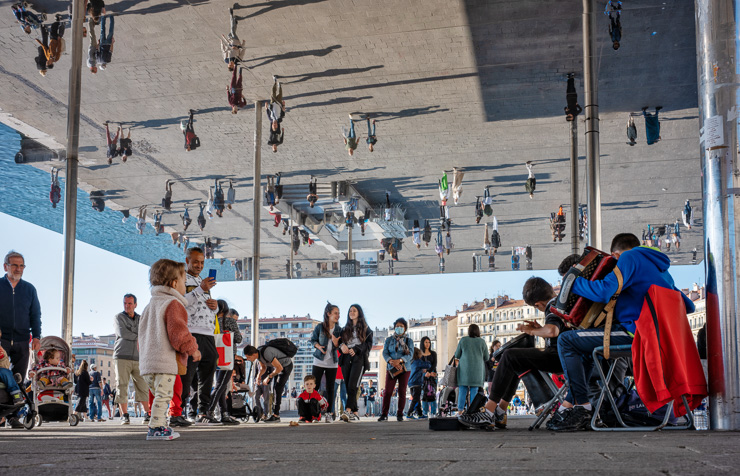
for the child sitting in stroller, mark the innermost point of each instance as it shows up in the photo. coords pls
(51, 378)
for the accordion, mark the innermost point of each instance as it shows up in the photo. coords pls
(576, 310)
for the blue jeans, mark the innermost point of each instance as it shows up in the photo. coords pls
(429, 408)
(575, 348)
(6, 377)
(96, 404)
(106, 40)
(342, 393)
(462, 395)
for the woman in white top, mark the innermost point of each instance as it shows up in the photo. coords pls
(325, 339)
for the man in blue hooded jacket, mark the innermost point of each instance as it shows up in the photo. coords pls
(641, 267)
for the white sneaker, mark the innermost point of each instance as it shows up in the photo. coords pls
(346, 416)
(354, 417)
(327, 418)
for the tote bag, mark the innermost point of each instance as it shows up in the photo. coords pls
(450, 377)
(225, 351)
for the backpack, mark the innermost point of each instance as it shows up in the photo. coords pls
(633, 412)
(286, 346)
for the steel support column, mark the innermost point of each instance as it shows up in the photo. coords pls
(257, 205)
(717, 61)
(591, 111)
(70, 189)
(574, 185)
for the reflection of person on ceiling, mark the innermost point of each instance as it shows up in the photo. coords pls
(571, 97)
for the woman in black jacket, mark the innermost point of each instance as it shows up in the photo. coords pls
(357, 340)
(429, 402)
(82, 389)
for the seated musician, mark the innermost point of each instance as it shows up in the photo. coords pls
(641, 267)
(537, 293)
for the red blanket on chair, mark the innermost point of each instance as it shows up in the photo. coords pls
(665, 357)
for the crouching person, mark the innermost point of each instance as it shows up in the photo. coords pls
(310, 403)
(165, 341)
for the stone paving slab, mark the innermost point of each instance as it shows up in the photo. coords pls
(474, 84)
(367, 447)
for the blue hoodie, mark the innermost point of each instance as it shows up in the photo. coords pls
(641, 268)
(418, 367)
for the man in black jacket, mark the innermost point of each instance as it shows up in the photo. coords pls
(20, 317)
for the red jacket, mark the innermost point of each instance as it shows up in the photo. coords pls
(665, 357)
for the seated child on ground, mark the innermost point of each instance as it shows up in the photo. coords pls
(310, 403)
(6, 377)
(55, 378)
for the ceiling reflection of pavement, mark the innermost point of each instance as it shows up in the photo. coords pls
(472, 84)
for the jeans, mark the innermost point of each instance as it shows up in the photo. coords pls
(575, 348)
(107, 39)
(429, 408)
(96, 404)
(11, 386)
(330, 388)
(462, 395)
(370, 408)
(340, 386)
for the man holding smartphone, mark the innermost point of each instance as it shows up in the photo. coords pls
(202, 324)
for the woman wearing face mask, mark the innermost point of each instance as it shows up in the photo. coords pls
(325, 339)
(397, 351)
(357, 340)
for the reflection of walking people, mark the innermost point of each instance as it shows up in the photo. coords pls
(571, 96)
(105, 50)
(457, 178)
(427, 236)
(234, 92)
(112, 143)
(615, 23)
(652, 125)
(688, 215)
(371, 137)
(167, 200)
(124, 148)
(313, 195)
(92, 51)
(141, 219)
(55, 194)
(56, 45)
(43, 52)
(276, 113)
(232, 47)
(631, 131)
(350, 138)
(531, 183)
(191, 140)
(444, 190)
(487, 201)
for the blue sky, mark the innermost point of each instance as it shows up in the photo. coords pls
(102, 278)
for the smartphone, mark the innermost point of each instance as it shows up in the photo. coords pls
(212, 274)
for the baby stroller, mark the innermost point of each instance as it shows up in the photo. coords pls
(447, 403)
(50, 403)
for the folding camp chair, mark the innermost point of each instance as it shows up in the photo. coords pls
(616, 351)
(545, 409)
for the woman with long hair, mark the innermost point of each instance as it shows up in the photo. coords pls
(429, 399)
(82, 389)
(325, 339)
(357, 340)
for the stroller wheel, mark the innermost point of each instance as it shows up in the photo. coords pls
(29, 421)
(73, 420)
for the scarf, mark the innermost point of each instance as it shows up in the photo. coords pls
(401, 340)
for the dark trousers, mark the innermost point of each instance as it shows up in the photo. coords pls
(309, 410)
(18, 352)
(202, 372)
(281, 380)
(575, 348)
(415, 405)
(515, 362)
(390, 383)
(331, 377)
(218, 397)
(352, 369)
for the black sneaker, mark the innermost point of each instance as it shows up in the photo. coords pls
(500, 420)
(383, 418)
(180, 421)
(15, 423)
(476, 420)
(557, 418)
(125, 419)
(399, 417)
(208, 420)
(228, 420)
(273, 419)
(147, 418)
(577, 419)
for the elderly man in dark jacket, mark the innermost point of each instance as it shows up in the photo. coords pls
(20, 316)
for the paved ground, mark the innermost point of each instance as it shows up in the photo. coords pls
(368, 447)
(473, 84)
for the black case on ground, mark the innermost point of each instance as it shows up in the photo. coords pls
(445, 424)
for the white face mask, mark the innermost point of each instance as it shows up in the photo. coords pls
(400, 330)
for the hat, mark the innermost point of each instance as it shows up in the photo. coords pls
(93, 366)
